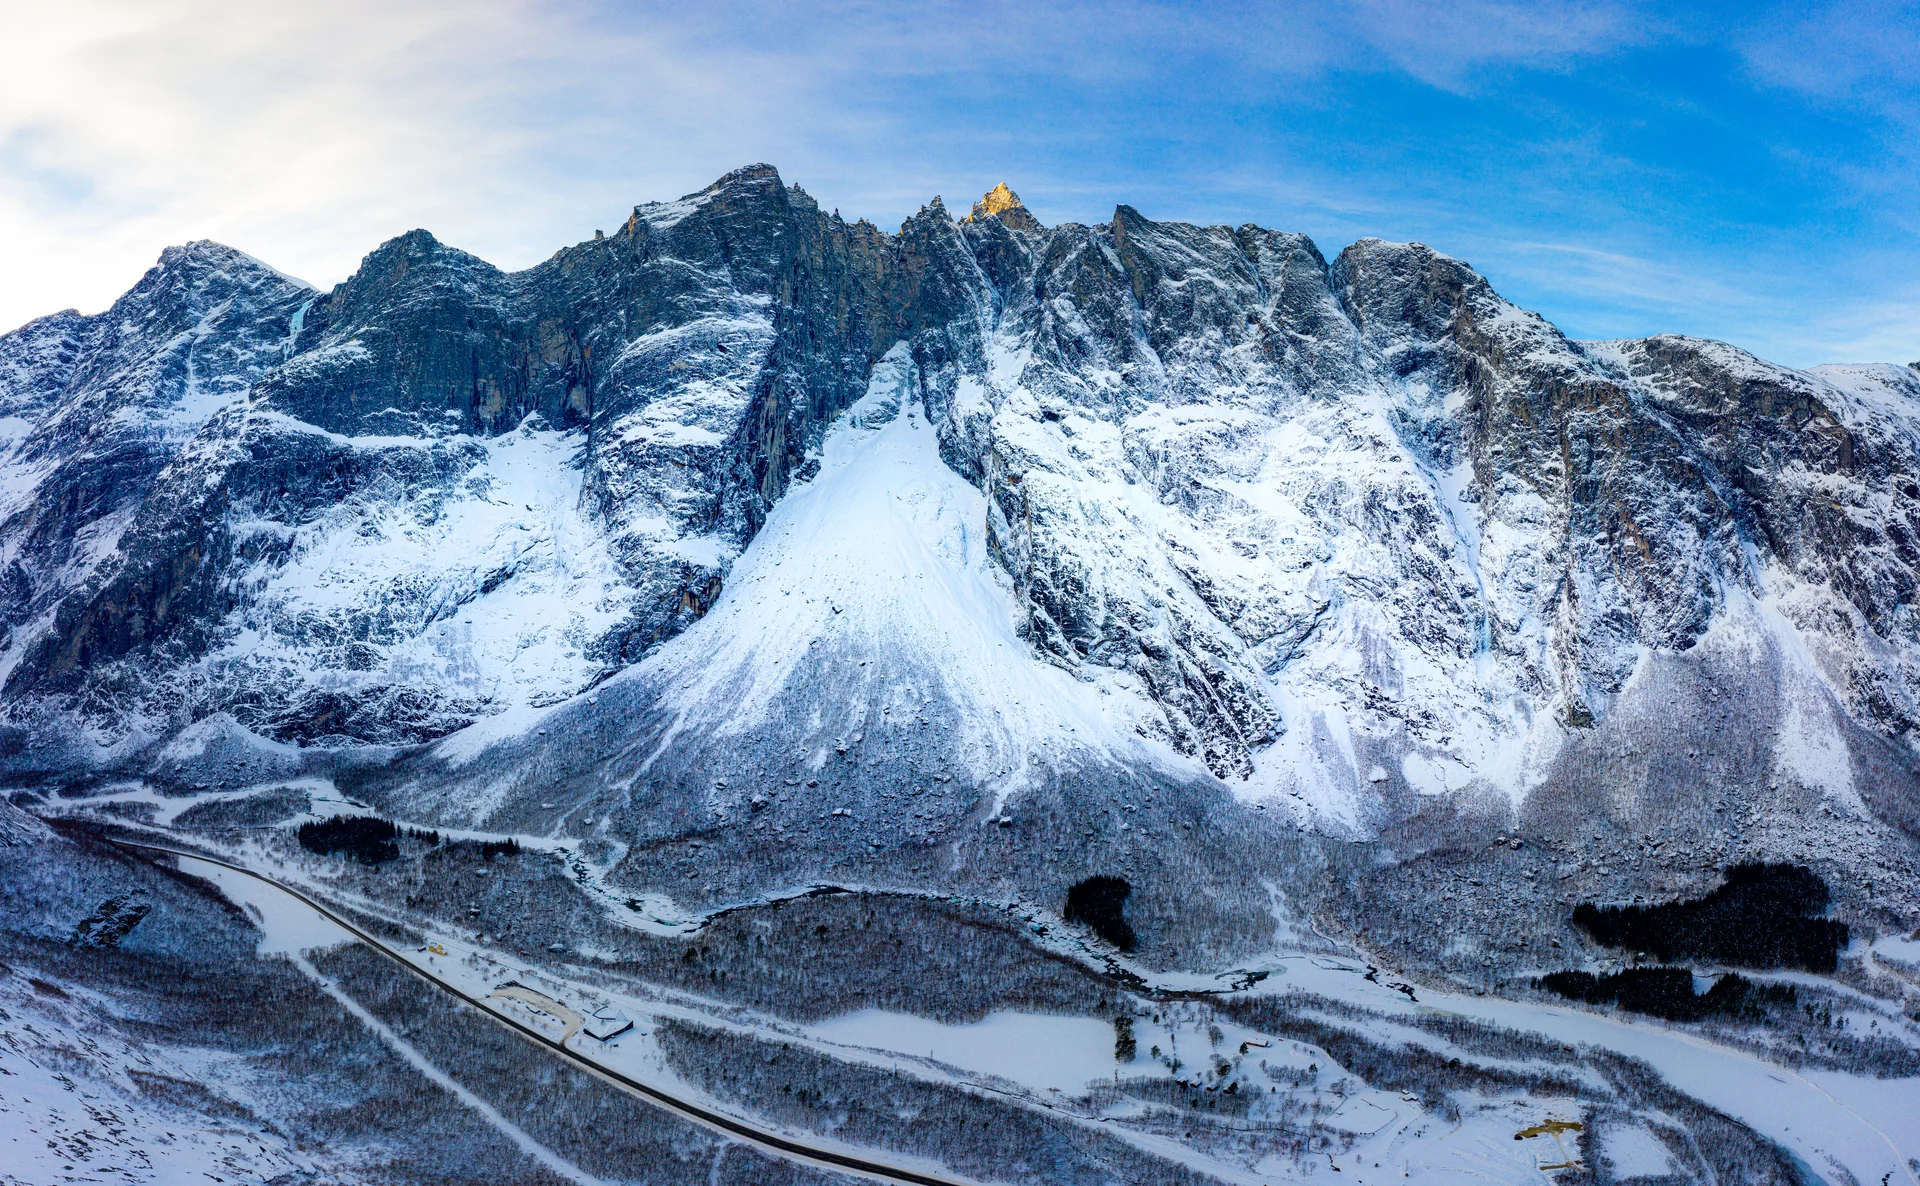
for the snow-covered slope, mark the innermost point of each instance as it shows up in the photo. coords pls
(996, 534)
(871, 586)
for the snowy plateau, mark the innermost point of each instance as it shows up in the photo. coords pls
(759, 699)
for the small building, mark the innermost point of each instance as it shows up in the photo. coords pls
(606, 1024)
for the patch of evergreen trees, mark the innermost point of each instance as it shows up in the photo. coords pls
(366, 838)
(1668, 993)
(1765, 916)
(1100, 903)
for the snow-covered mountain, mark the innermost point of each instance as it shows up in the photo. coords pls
(979, 553)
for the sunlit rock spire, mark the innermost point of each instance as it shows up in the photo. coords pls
(1003, 204)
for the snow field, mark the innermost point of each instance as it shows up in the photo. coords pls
(72, 1109)
(1863, 1126)
(491, 594)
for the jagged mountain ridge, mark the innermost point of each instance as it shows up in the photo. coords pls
(792, 617)
(94, 408)
(1349, 534)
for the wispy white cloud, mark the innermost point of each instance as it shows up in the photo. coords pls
(1657, 286)
(1611, 294)
(307, 133)
(1852, 52)
(1856, 331)
(1445, 44)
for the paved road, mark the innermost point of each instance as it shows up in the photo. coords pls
(771, 1142)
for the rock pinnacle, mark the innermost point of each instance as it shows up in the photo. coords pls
(1002, 203)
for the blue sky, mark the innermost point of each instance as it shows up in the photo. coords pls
(1746, 172)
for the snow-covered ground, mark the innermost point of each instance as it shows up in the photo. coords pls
(291, 934)
(72, 1108)
(287, 925)
(1862, 1126)
(1838, 1124)
(1041, 1053)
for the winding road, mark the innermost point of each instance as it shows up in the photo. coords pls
(766, 1140)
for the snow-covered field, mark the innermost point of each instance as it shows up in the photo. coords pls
(1840, 1125)
(491, 595)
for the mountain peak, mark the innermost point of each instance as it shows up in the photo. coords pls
(209, 254)
(1002, 203)
(998, 198)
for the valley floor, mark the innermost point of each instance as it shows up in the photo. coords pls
(1304, 1062)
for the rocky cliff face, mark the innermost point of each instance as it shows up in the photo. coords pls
(1356, 541)
(96, 408)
